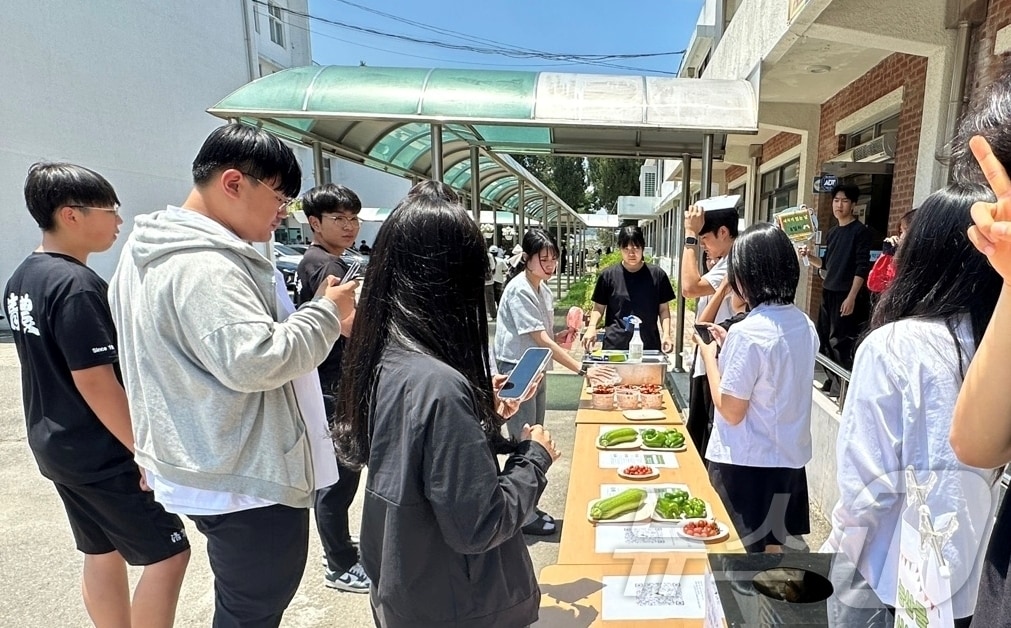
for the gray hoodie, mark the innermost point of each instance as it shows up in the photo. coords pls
(206, 365)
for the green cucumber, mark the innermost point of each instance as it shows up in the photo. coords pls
(625, 501)
(620, 435)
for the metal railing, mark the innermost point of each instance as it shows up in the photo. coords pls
(842, 374)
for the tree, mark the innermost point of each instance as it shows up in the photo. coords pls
(565, 176)
(612, 178)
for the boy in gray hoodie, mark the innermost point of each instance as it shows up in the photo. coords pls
(208, 370)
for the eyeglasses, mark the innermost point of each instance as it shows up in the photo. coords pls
(284, 200)
(344, 221)
(114, 210)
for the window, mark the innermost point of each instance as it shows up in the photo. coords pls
(276, 24)
(780, 190)
(888, 125)
(740, 190)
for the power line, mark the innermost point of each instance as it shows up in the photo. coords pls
(600, 60)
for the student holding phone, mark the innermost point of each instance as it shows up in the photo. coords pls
(526, 319)
(441, 537)
(760, 385)
(332, 212)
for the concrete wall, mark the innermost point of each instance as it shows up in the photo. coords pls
(821, 471)
(121, 89)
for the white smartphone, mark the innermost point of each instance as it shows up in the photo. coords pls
(352, 273)
(533, 361)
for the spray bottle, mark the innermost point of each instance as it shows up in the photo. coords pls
(635, 344)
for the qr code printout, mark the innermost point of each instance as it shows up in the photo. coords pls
(661, 596)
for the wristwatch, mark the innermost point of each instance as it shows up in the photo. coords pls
(582, 372)
(691, 241)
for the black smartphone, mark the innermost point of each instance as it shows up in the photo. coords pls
(704, 333)
(531, 363)
(352, 273)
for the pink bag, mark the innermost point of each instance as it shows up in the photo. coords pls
(573, 321)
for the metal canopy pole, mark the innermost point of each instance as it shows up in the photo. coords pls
(317, 163)
(437, 152)
(523, 211)
(707, 182)
(679, 340)
(558, 240)
(475, 183)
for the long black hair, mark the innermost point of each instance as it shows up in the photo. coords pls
(423, 290)
(535, 240)
(762, 266)
(939, 274)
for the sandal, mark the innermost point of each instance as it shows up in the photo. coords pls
(539, 527)
(545, 516)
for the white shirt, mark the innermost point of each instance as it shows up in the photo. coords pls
(186, 500)
(714, 277)
(898, 413)
(767, 359)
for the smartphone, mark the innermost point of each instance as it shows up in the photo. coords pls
(704, 333)
(533, 362)
(352, 273)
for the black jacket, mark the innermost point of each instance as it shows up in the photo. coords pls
(441, 536)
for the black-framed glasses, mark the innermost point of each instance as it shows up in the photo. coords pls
(344, 221)
(114, 209)
(284, 200)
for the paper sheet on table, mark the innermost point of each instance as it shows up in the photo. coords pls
(617, 459)
(660, 596)
(614, 538)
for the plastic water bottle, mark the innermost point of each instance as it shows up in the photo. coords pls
(635, 346)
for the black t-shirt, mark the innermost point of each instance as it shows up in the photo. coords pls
(58, 311)
(316, 265)
(847, 255)
(622, 293)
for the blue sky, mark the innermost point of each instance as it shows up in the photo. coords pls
(594, 27)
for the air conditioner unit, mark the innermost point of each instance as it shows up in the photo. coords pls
(647, 179)
(880, 149)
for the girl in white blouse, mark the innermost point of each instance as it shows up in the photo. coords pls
(906, 378)
(761, 388)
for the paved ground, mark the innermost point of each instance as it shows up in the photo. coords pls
(40, 569)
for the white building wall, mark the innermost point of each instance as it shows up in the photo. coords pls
(121, 88)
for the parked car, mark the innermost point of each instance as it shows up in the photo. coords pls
(283, 252)
(288, 269)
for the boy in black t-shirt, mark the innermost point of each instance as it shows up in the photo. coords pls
(76, 409)
(845, 302)
(632, 287)
(332, 212)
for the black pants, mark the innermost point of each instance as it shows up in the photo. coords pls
(700, 414)
(332, 504)
(258, 558)
(838, 334)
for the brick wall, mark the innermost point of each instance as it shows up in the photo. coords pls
(897, 70)
(735, 172)
(779, 144)
(985, 67)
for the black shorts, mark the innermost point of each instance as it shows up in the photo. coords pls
(766, 504)
(115, 514)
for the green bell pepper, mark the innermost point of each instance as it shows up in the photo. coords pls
(653, 438)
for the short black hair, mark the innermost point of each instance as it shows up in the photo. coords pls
(52, 185)
(851, 191)
(330, 197)
(762, 266)
(720, 218)
(253, 152)
(631, 234)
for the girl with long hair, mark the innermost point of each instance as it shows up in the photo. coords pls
(526, 319)
(441, 523)
(906, 378)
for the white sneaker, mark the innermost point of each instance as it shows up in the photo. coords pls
(353, 580)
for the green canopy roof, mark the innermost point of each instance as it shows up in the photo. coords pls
(382, 117)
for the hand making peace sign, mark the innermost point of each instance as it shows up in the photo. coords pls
(991, 231)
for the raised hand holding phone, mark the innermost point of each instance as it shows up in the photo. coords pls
(522, 376)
